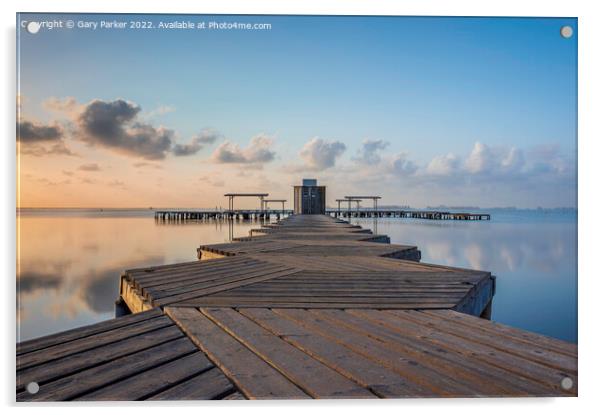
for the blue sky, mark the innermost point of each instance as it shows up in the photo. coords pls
(491, 100)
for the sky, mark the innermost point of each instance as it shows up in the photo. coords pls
(422, 111)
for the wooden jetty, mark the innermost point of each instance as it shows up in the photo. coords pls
(310, 307)
(264, 214)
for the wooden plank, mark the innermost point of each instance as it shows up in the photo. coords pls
(508, 345)
(234, 283)
(198, 272)
(203, 302)
(315, 378)
(347, 292)
(516, 365)
(485, 379)
(378, 379)
(79, 361)
(497, 329)
(152, 381)
(439, 384)
(481, 382)
(91, 342)
(150, 273)
(191, 285)
(80, 332)
(211, 384)
(255, 378)
(331, 300)
(73, 386)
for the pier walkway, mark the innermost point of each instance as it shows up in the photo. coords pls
(311, 307)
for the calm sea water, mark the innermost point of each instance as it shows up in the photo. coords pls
(70, 261)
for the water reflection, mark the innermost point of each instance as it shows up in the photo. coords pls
(534, 260)
(69, 264)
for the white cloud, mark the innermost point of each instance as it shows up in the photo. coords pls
(401, 165)
(369, 152)
(257, 152)
(443, 165)
(197, 143)
(319, 154)
(479, 159)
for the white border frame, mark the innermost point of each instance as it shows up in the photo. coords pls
(590, 32)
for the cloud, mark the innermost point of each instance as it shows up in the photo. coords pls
(484, 160)
(54, 183)
(31, 281)
(514, 160)
(319, 154)
(28, 132)
(39, 150)
(205, 137)
(89, 167)
(215, 182)
(443, 165)
(142, 164)
(480, 158)
(68, 105)
(115, 125)
(257, 152)
(100, 286)
(401, 165)
(368, 154)
(157, 112)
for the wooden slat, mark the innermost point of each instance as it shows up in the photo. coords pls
(152, 381)
(211, 384)
(77, 333)
(439, 384)
(312, 376)
(79, 361)
(90, 342)
(73, 386)
(149, 273)
(381, 381)
(181, 287)
(375, 300)
(505, 344)
(205, 302)
(497, 329)
(253, 376)
(223, 286)
(486, 380)
(518, 366)
(200, 271)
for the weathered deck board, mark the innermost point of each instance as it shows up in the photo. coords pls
(80, 361)
(316, 379)
(90, 342)
(382, 353)
(211, 384)
(252, 375)
(123, 365)
(80, 332)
